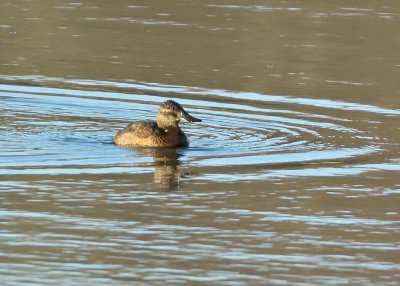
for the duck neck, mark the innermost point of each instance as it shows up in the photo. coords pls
(165, 124)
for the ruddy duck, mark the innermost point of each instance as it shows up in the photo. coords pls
(164, 132)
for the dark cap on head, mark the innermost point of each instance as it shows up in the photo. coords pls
(175, 106)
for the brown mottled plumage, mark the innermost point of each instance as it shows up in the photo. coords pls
(164, 132)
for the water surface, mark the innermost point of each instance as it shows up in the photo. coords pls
(291, 178)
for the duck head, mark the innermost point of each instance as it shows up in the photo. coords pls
(171, 113)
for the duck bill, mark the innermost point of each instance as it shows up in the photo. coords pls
(189, 117)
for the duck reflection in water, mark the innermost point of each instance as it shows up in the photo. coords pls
(166, 174)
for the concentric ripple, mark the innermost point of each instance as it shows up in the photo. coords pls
(67, 128)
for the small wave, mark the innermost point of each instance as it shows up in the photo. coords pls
(69, 127)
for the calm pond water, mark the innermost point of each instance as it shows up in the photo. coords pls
(292, 178)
